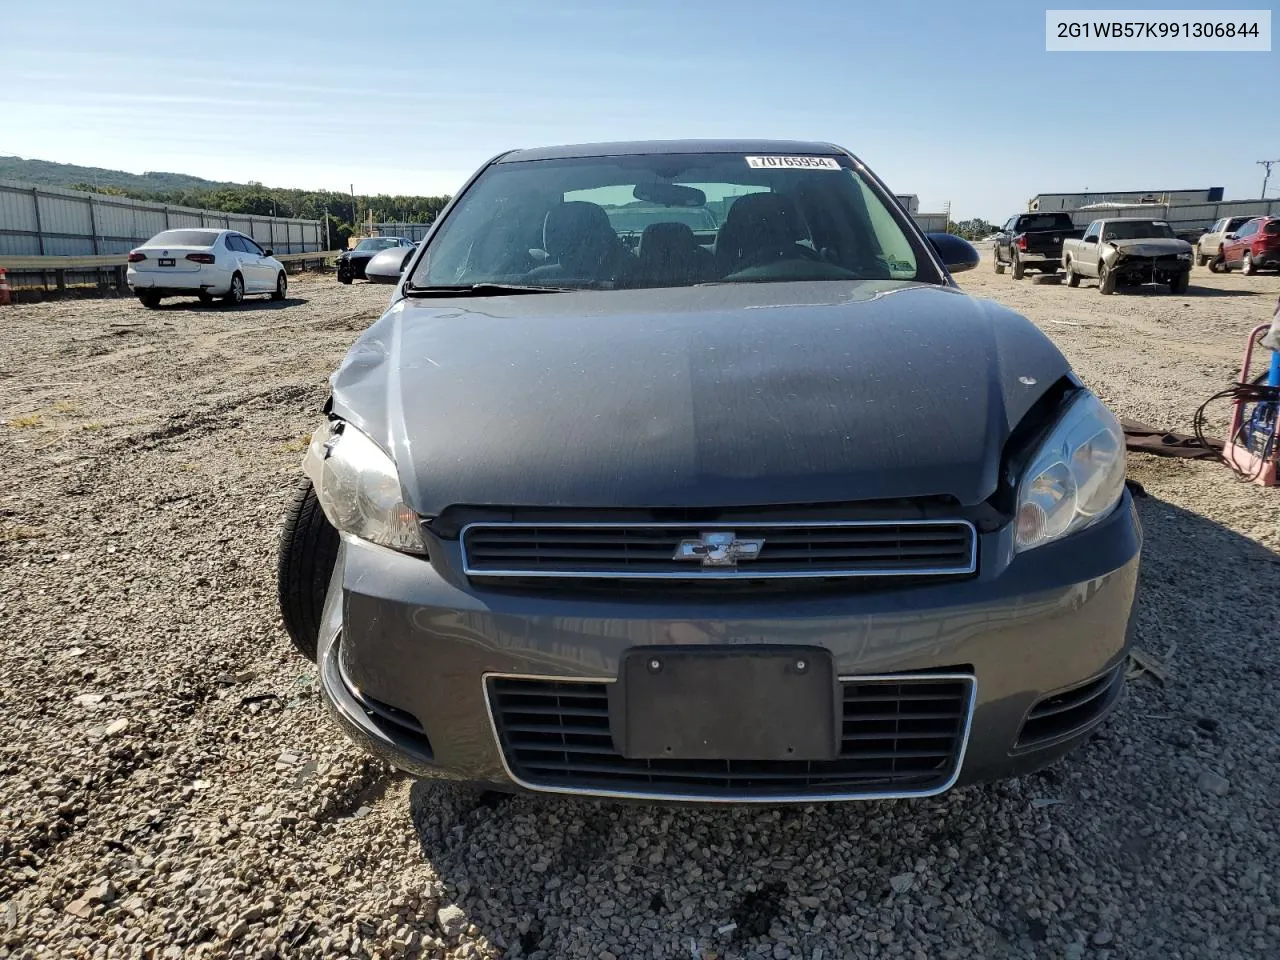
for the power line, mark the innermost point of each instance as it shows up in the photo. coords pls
(1266, 164)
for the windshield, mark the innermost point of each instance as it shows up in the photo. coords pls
(377, 243)
(1047, 221)
(670, 220)
(1137, 230)
(184, 238)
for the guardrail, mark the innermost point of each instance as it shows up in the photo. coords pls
(108, 271)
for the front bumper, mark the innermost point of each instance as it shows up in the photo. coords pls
(406, 647)
(1150, 271)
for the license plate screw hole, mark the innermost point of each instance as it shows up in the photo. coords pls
(801, 666)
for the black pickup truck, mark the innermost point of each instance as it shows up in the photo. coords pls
(1033, 240)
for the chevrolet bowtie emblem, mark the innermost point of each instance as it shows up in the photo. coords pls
(721, 548)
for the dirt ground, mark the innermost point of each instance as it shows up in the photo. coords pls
(170, 785)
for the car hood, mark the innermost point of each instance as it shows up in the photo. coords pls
(1150, 247)
(715, 396)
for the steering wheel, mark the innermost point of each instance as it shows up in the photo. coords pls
(770, 255)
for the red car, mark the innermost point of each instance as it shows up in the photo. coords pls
(1255, 246)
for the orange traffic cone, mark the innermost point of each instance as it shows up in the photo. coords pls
(5, 297)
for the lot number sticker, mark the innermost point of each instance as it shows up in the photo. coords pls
(793, 163)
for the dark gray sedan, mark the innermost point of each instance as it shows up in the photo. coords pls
(769, 512)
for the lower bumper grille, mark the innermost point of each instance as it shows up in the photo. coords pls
(396, 723)
(902, 736)
(1064, 714)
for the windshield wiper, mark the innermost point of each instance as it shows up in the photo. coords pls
(482, 290)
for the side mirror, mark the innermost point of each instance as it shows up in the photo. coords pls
(956, 253)
(1229, 236)
(1092, 238)
(270, 252)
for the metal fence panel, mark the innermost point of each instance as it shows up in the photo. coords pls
(410, 231)
(1179, 216)
(64, 215)
(51, 221)
(18, 209)
(184, 219)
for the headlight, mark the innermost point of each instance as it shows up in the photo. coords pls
(1075, 478)
(1184, 256)
(359, 489)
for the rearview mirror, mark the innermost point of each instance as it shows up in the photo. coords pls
(956, 253)
(669, 194)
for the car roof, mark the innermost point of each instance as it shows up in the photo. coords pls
(623, 148)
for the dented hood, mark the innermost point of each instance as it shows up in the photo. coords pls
(716, 396)
(1150, 247)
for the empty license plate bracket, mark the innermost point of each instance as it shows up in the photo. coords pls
(764, 703)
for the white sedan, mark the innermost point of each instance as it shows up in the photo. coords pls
(205, 264)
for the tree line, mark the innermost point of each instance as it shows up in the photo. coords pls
(344, 215)
(973, 229)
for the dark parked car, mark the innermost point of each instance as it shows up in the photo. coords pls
(351, 263)
(785, 518)
(1254, 246)
(1033, 240)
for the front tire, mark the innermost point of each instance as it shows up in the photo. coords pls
(282, 287)
(1201, 259)
(1106, 280)
(1246, 264)
(308, 551)
(1073, 278)
(1180, 283)
(1215, 265)
(1019, 271)
(235, 296)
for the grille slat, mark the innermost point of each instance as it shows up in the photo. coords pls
(603, 551)
(899, 736)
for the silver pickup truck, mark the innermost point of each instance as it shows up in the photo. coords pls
(1127, 252)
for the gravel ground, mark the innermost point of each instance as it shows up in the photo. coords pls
(170, 785)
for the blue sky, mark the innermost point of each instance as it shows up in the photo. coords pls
(950, 101)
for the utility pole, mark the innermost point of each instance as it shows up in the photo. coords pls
(1266, 165)
(355, 214)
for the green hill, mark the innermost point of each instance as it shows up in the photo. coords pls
(50, 174)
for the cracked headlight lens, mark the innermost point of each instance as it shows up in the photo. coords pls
(1076, 477)
(359, 488)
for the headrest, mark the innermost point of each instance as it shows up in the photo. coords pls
(575, 226)
(659, 238)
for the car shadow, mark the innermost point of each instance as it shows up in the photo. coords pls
(580, 877)
(255, 304)
(1197, 291)
(1162, 290)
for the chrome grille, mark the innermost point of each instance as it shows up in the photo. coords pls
(901, 736)
(876, 548)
